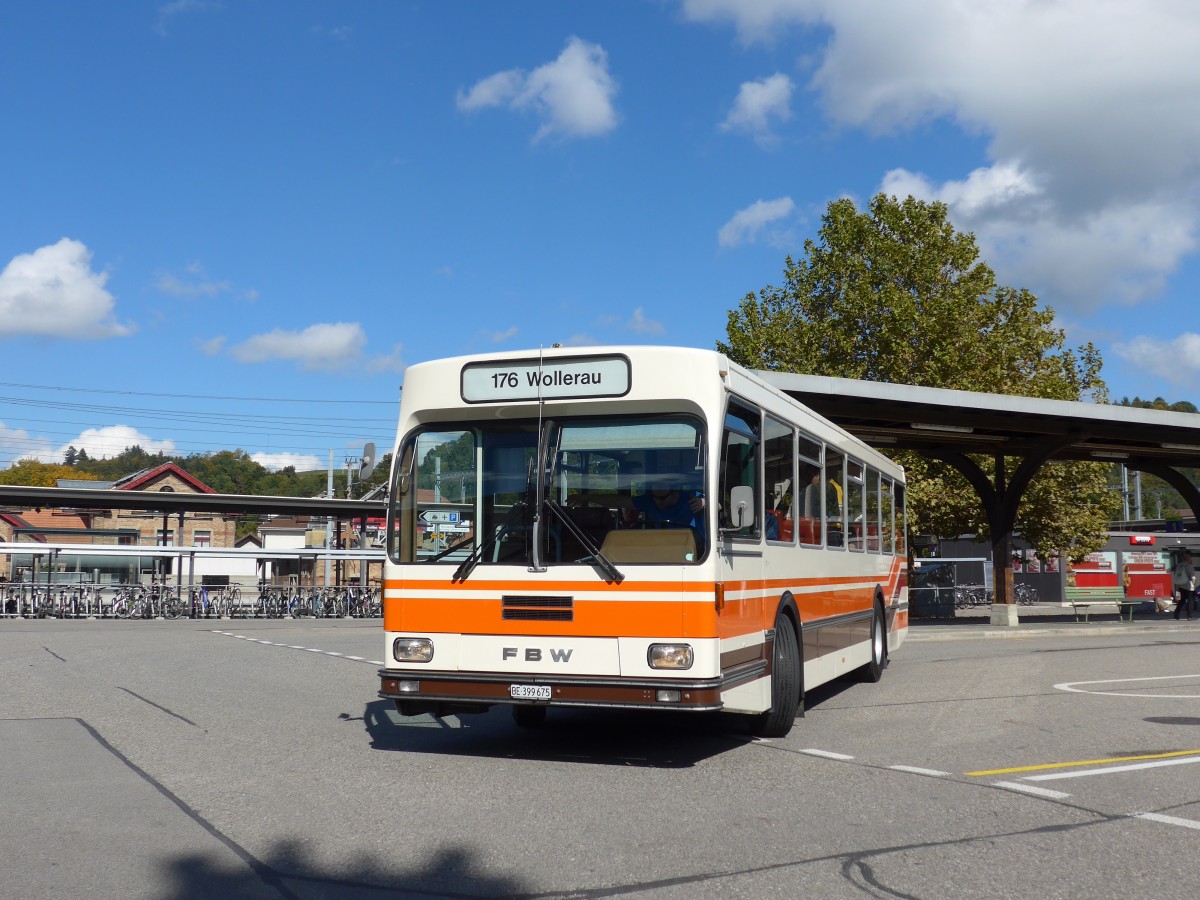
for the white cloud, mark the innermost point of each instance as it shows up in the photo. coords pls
(320, 347)
(1091, 111)
(500, 89)
(194, 284)
(499, 337)
(101, 443)
(1120, 254)
(212, 346)
(986, 191)
(757, 104)
(324, 347)
(639, 324)
(168, 11)
(393, 362)
(301, 462)
(53, 292)
(573, 95)
(755, 20)
(338, 32)
(757, 219)
(17, 444)
(1176, 360)
(113, 439)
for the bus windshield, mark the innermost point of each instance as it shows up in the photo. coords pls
(486, 491)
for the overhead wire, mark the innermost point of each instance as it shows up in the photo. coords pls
(309, 434)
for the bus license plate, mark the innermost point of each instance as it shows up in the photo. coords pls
(529, 691)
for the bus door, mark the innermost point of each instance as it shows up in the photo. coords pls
(740, 523)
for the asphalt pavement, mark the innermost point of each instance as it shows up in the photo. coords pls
(253, 759)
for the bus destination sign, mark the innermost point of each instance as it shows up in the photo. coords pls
(560, 378)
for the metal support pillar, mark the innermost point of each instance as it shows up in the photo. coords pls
(1000, 497)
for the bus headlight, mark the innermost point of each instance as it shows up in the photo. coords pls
(670, 656)
(412, 650)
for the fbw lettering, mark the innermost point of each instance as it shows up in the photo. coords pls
(534, 654)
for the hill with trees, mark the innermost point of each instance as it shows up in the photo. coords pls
(226, 472)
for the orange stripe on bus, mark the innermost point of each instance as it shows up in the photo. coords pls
(593, 618)
(527, 586)
(627, 617)
(631, 608)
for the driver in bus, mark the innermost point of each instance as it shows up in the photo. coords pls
(666, 506)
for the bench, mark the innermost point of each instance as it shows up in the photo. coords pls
(1083, 599)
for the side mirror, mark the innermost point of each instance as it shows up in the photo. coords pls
(367, 466)
(741, 507)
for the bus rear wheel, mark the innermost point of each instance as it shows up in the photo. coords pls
(785, 684)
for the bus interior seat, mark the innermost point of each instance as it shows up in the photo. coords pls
(636, 545)
(596, 514)
(809, 529)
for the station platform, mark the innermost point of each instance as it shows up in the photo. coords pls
(1046, 619)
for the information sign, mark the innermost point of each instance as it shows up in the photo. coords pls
(560, 378)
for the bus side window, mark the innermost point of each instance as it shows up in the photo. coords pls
(886, 523)
(779, 458)
(833, 489)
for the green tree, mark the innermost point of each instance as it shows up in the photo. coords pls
(452, 459)
(130, 460)
(896, 294)
(226, 472)
(1183, 406)
(31, 473)
(70, 456)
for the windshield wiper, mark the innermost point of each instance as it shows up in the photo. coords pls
(468, 565)
(611, 572)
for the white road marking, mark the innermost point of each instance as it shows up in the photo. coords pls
(1077, 687)
(918, 771)
(1030, 789)
(827, 754)
(1169, 820)
(1108, 770)
(333, 653)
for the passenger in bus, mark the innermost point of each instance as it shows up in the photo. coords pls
(812, 504)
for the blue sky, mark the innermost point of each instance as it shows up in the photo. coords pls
(232, 224)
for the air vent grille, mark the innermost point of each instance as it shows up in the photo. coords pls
(539, 609)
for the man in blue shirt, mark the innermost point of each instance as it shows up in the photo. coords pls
(671, 508)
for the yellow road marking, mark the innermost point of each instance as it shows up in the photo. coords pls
(1082, 762)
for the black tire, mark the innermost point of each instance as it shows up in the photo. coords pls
(873, 671)
(786, 678)
(529, 716)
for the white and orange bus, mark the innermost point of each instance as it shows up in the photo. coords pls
(632, 527)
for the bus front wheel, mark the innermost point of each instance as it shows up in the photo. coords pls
(873, 671)
(785, 684)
